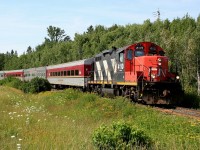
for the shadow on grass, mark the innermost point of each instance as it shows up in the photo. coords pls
(191, 100)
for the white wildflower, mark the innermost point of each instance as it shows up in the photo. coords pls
(12, 136)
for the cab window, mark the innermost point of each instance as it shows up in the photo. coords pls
(121, 57)
(161, 53)
(129, 54)
(152, 50)
(139, 53)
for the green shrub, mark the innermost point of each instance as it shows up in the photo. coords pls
(12, 82)
(16, 83)
(120, 135)
(25, 87)
(36, 85)
(191, 100)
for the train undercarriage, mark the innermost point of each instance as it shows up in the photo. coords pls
(166, 93)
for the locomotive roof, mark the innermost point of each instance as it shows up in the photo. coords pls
(143, 43)
(118, 50)
(111, 50)
(104, 52)
(122, 48)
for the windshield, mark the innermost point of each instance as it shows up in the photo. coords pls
(139, 53)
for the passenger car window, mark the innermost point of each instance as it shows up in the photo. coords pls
(65, 73)
(76, 72)
(68, 72)
(72, 72)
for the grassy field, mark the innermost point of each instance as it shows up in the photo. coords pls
(67, 119)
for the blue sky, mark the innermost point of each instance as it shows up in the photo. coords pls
(24, 23)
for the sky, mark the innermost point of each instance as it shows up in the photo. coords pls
(24, 23)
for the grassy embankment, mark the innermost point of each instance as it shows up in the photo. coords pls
(67, 119)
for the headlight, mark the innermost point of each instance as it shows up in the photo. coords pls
(159, 59)
(153, 76)
(177, 77)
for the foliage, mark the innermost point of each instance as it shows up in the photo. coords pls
(180, 38)
(2, 57)
(120, 135)
(191, 100)
(12, 82)
(36, 85)
(56, 34)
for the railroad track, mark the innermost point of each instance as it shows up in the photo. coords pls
(181, 111)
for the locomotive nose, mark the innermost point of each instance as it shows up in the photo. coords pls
(158, 68)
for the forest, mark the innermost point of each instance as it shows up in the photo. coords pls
(180, 38)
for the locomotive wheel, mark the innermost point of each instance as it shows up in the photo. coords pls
(101, 93)
(117, 92)
(133, 96)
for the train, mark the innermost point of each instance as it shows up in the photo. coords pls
(138, 71)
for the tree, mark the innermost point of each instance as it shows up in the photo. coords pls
(67, 38)
(16, 54)
(29, 50)
(2, 59)
(90, 29)
(55, 34)
(12, 52)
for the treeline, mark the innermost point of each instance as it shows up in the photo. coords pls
(180, 38)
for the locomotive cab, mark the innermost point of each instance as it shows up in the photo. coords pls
(148, 67)
(147, 61)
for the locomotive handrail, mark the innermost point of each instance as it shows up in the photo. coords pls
(143, 66)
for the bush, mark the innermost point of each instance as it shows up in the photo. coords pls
(191, 100)
(120, 135)
(12, 82)
(36, 85)
(25, 87)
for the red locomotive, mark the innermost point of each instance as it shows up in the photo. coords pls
(138, 71)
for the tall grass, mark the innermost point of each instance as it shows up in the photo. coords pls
(67, 119)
